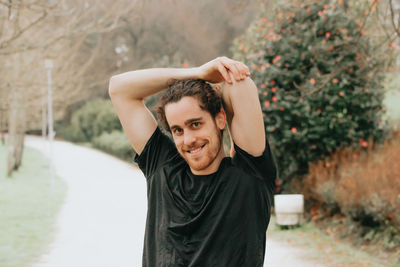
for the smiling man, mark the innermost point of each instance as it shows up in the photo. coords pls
(204, 209)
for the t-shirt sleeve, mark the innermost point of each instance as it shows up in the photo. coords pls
(158, 149)
(263, 167)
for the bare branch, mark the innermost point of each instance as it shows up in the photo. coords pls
(396, 28)
(22, 31)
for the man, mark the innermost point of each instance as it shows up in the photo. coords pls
(204, 209)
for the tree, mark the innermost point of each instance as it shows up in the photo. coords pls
(33, 30)
(320, 81)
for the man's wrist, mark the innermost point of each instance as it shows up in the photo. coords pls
(193, 73)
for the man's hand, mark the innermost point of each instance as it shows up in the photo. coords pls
(217, 70)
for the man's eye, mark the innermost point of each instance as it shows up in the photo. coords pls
(177, 131)
(195, 124)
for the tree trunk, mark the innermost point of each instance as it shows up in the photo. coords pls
(2, 127)
(2, 115)
(16, 134)
(16, 127)
(19, 141)
(11, 144)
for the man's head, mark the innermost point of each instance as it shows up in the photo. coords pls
(191, 110)
(209, 99)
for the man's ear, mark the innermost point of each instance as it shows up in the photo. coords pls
(220, 119)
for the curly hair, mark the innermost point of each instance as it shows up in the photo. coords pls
(208, 98)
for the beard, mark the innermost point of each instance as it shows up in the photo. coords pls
(211, 149)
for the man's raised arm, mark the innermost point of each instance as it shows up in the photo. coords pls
(245, 119)
(127, 91)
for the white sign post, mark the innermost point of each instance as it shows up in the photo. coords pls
(48, 63)
(44, 121)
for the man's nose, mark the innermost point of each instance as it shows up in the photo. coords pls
(189, 138)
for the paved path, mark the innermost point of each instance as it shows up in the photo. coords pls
(102, 221)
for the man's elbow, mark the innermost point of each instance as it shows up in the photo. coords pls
(246, 86)
(251, 85)
(112, 85)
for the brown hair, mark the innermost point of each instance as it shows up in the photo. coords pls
(208, 98)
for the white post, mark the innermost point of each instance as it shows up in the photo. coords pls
(48, 63)
(44, 121)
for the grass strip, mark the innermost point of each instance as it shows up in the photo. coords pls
(28, 208)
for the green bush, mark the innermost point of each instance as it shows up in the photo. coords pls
(70, 132)
(115, 143)
(106, 120)
(91, 120)
(319, 78)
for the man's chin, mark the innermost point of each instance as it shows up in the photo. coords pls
(197, 166)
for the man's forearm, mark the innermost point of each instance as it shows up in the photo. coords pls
(143, 83)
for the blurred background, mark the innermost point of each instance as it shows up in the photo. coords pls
(328, 76)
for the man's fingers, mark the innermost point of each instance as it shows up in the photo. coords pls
(242, 71)
(224, 72)
(231, 75)
(238, 70)
(230, 65)
(245, 69)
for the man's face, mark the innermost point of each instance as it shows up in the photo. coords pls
(196, 134)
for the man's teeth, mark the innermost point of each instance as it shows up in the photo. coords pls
(194, 151)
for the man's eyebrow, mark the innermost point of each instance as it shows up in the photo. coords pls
(189, 121)
(174, 127)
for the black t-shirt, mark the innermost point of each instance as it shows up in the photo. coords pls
(205, 220)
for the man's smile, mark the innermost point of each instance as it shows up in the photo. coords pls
(195, 151)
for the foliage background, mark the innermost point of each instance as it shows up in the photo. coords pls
(320, 79)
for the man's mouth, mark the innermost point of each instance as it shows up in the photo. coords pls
(195, 150)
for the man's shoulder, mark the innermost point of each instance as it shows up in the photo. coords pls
(262, 167)
(231, 168)
(174, 165)
(159, 151)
